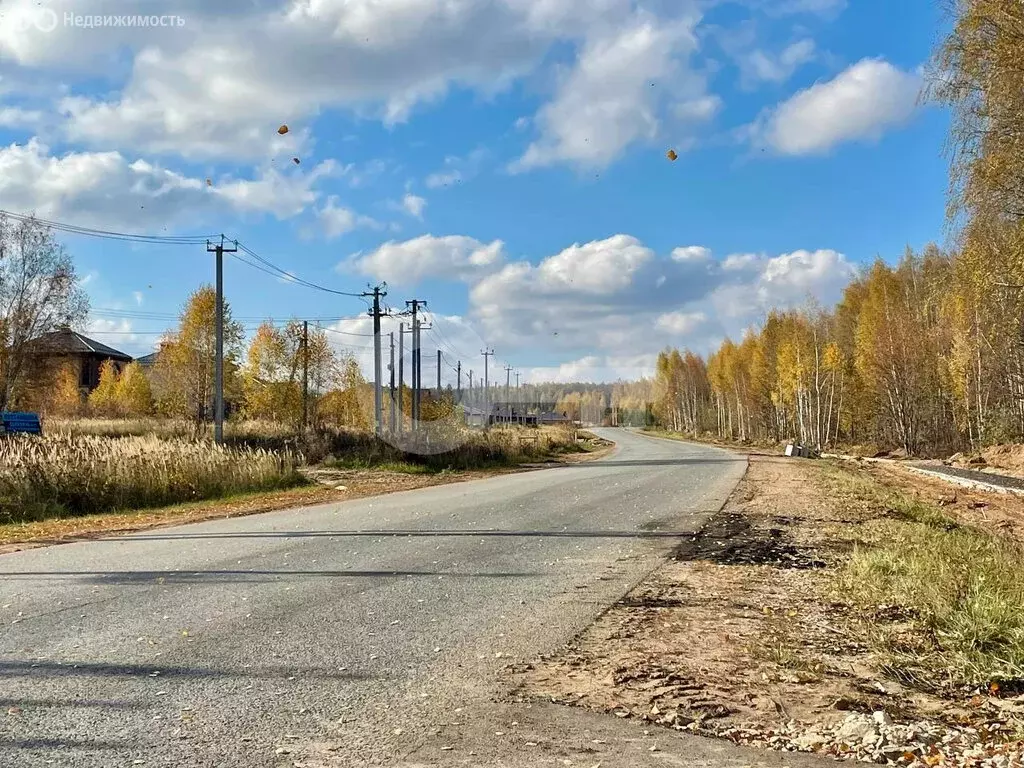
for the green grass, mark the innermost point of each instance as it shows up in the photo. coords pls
(958, 591)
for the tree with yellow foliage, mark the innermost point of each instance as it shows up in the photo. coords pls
(133, 395)
(103, 399)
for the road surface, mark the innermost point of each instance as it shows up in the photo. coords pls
(367, 632)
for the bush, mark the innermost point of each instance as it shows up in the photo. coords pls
(65, 476)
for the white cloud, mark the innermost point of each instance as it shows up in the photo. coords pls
(16, 117)
(414, 205)
(691, 253)
(617, 297)
(861, 103)
(283, 194)
(594, 368)
(759, 66)
(118, 334)
(137, 295)
(106, 190)
(457, 169)
(681, 323)
(336, 220)
(221, 85)
(613, 96)
(454, 257)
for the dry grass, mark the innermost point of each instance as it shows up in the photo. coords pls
(64, 476)
(957, 591)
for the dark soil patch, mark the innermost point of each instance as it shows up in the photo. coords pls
(729, 539)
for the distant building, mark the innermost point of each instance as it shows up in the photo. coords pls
(84, 354)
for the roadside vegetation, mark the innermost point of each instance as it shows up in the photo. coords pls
(957, 591)
(62, 476)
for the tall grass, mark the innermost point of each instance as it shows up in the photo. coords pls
(960, 591)
(471, 449)
(64, 476)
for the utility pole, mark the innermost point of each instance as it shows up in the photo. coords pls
(391, 368)
(508, 394)
(487, 392)
(305, 374)
(439, 375)
(416, 304)
(401, 376)
(458, 373)
(378, 397)
(218, 369)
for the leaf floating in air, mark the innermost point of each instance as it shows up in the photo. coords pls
(283, 130)
(295, 160)
(671, 155)
(209, 182)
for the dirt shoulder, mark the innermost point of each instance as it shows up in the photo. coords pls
(327, 486)
(754, 631)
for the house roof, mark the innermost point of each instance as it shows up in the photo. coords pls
(147, 361)
(72, 342)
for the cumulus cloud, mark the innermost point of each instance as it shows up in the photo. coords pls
(859, 104)
(336, 219)
(106, 189)
(220, 85)
(612, 96)
(617, 296)
(454, 257)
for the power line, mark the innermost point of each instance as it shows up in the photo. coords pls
(260, 263)
(111, 234)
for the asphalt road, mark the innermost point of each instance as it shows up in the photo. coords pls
(366, 632)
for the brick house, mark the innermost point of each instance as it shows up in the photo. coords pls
(86, 355)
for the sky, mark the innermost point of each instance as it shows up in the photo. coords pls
(504, 160)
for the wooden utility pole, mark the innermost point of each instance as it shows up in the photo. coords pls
(439, 375)
(218, 370)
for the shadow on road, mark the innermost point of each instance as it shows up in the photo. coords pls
(100, 669)
(482, 533)
(656, 462)
(240, 576)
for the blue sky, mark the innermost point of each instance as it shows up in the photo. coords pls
(503, 159)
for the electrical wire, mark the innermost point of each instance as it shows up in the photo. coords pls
(110, 234)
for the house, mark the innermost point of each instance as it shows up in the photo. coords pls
(86, 355)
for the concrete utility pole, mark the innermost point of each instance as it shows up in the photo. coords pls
(401, 376)
(218, 367)
(391, 368)
(508, 393)
(305, 374)
(417, 371)
(487, 391)
(439, 374)
(378, 396)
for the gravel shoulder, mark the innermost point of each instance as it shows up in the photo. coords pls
(744, 635)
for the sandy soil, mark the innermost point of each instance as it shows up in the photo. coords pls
(739, 635)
